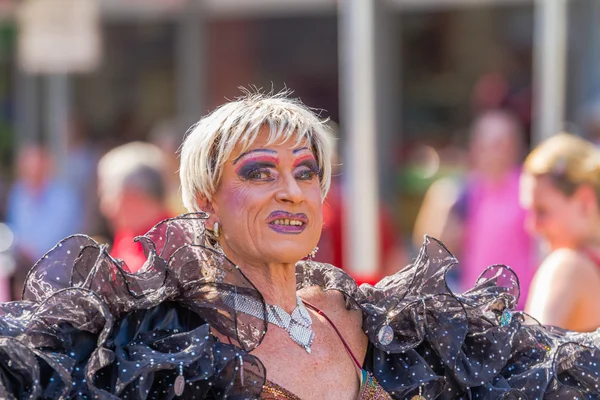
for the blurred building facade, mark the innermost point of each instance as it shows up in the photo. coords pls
(435, 64)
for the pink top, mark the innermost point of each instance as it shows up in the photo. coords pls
(495, 232)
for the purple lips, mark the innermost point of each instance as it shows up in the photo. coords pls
(288, 223)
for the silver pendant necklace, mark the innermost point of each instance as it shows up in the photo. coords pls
(298, 324)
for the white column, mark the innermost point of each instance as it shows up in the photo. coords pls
(358, 122)
(189, 65)
(57, 113)
(549, 68)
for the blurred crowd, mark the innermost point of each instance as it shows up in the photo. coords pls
(112, 192)
(491, 201)
(536, 211)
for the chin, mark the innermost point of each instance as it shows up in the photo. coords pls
(287, 258)
(560, 244)
(290, 250)
(287, 254)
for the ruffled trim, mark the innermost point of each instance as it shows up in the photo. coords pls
(87, 328)
(469, 345)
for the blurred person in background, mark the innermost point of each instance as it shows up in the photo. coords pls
(485, 224)
(132, 195)
(167, 138)
(41, 210)
(505, 90)
(439, 199)
(561, 191)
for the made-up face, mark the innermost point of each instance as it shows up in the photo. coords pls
(561, 220)
(494, 146)
(268, 203)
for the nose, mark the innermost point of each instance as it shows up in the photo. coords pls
(289, 191)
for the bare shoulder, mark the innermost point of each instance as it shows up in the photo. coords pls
(565, 291)
(332, 303)
(347, 322)
(568, 266)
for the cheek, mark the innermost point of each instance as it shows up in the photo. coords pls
(316, 204)
(556, 223)
(109, 205)
(562, 220)
(238, 205)
(106, 208)
(233, 202)
(577, 217)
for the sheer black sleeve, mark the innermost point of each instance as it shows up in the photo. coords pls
(462, 346)
(88, 329)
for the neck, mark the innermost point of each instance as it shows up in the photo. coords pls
(35, 185)
(278, 285)
(146, 215)
(592, 240)
(275, 281)
(587, 239)
(497, 176)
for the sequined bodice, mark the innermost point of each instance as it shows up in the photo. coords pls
(370, 389)
(272, 391)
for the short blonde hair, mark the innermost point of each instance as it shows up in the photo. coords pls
(568, 160)
(211, 141)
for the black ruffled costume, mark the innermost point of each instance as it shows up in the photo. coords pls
(87, 329)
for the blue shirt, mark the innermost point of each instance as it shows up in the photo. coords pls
(40, 219)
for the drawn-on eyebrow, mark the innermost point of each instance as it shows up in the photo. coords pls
(253, 151)
(307, 159)
(299, 150)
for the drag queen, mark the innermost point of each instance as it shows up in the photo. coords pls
(226, 308)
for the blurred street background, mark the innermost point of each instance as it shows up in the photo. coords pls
(420, 94)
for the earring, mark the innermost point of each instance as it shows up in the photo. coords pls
(216, 231)
(313, 254)
(385, 334)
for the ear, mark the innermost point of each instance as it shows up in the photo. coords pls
(206, 205)
(587, 198)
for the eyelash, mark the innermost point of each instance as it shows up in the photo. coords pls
(311, 172)
(255, 174)
(251, 174)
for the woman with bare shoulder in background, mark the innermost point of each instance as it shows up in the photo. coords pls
(560, 187)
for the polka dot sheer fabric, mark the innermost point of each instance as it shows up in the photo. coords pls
(462, 346)
(87, 329)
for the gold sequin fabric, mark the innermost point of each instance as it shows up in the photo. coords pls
(369, 390)
(272, 391)
(372, 390)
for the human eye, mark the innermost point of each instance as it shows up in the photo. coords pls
(259, 174)
(256, 172)
(307, 172)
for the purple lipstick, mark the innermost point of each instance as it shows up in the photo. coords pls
(288, 223)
